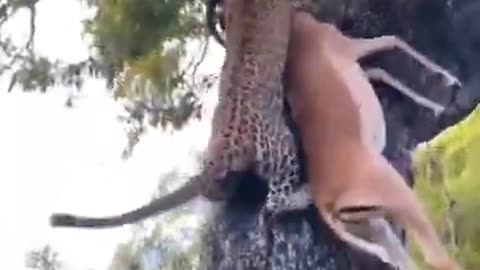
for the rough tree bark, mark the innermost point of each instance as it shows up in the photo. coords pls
(444, 30)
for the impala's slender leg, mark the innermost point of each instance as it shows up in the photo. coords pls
(381, 75)
(378, 230)
(340, 230)
(367, 46)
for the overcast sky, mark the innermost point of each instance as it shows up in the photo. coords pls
(53, 158)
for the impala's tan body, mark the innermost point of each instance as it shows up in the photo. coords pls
(337, 112)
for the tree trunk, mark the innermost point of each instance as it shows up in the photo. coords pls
(442, 29)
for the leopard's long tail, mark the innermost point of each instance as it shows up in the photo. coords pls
(180, 196)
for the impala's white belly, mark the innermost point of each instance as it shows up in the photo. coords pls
(371, 112)
(371, 117)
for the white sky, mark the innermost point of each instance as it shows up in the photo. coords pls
(53, 158)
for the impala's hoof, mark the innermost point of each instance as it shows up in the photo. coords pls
(451, 81)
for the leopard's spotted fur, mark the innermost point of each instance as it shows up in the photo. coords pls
(256, 48)
(249, 131)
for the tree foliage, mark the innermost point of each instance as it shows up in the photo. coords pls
(44, 258)
(447, 181)
(150, 73)
(139, 48)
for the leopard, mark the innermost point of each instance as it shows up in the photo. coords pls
(249, 131)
